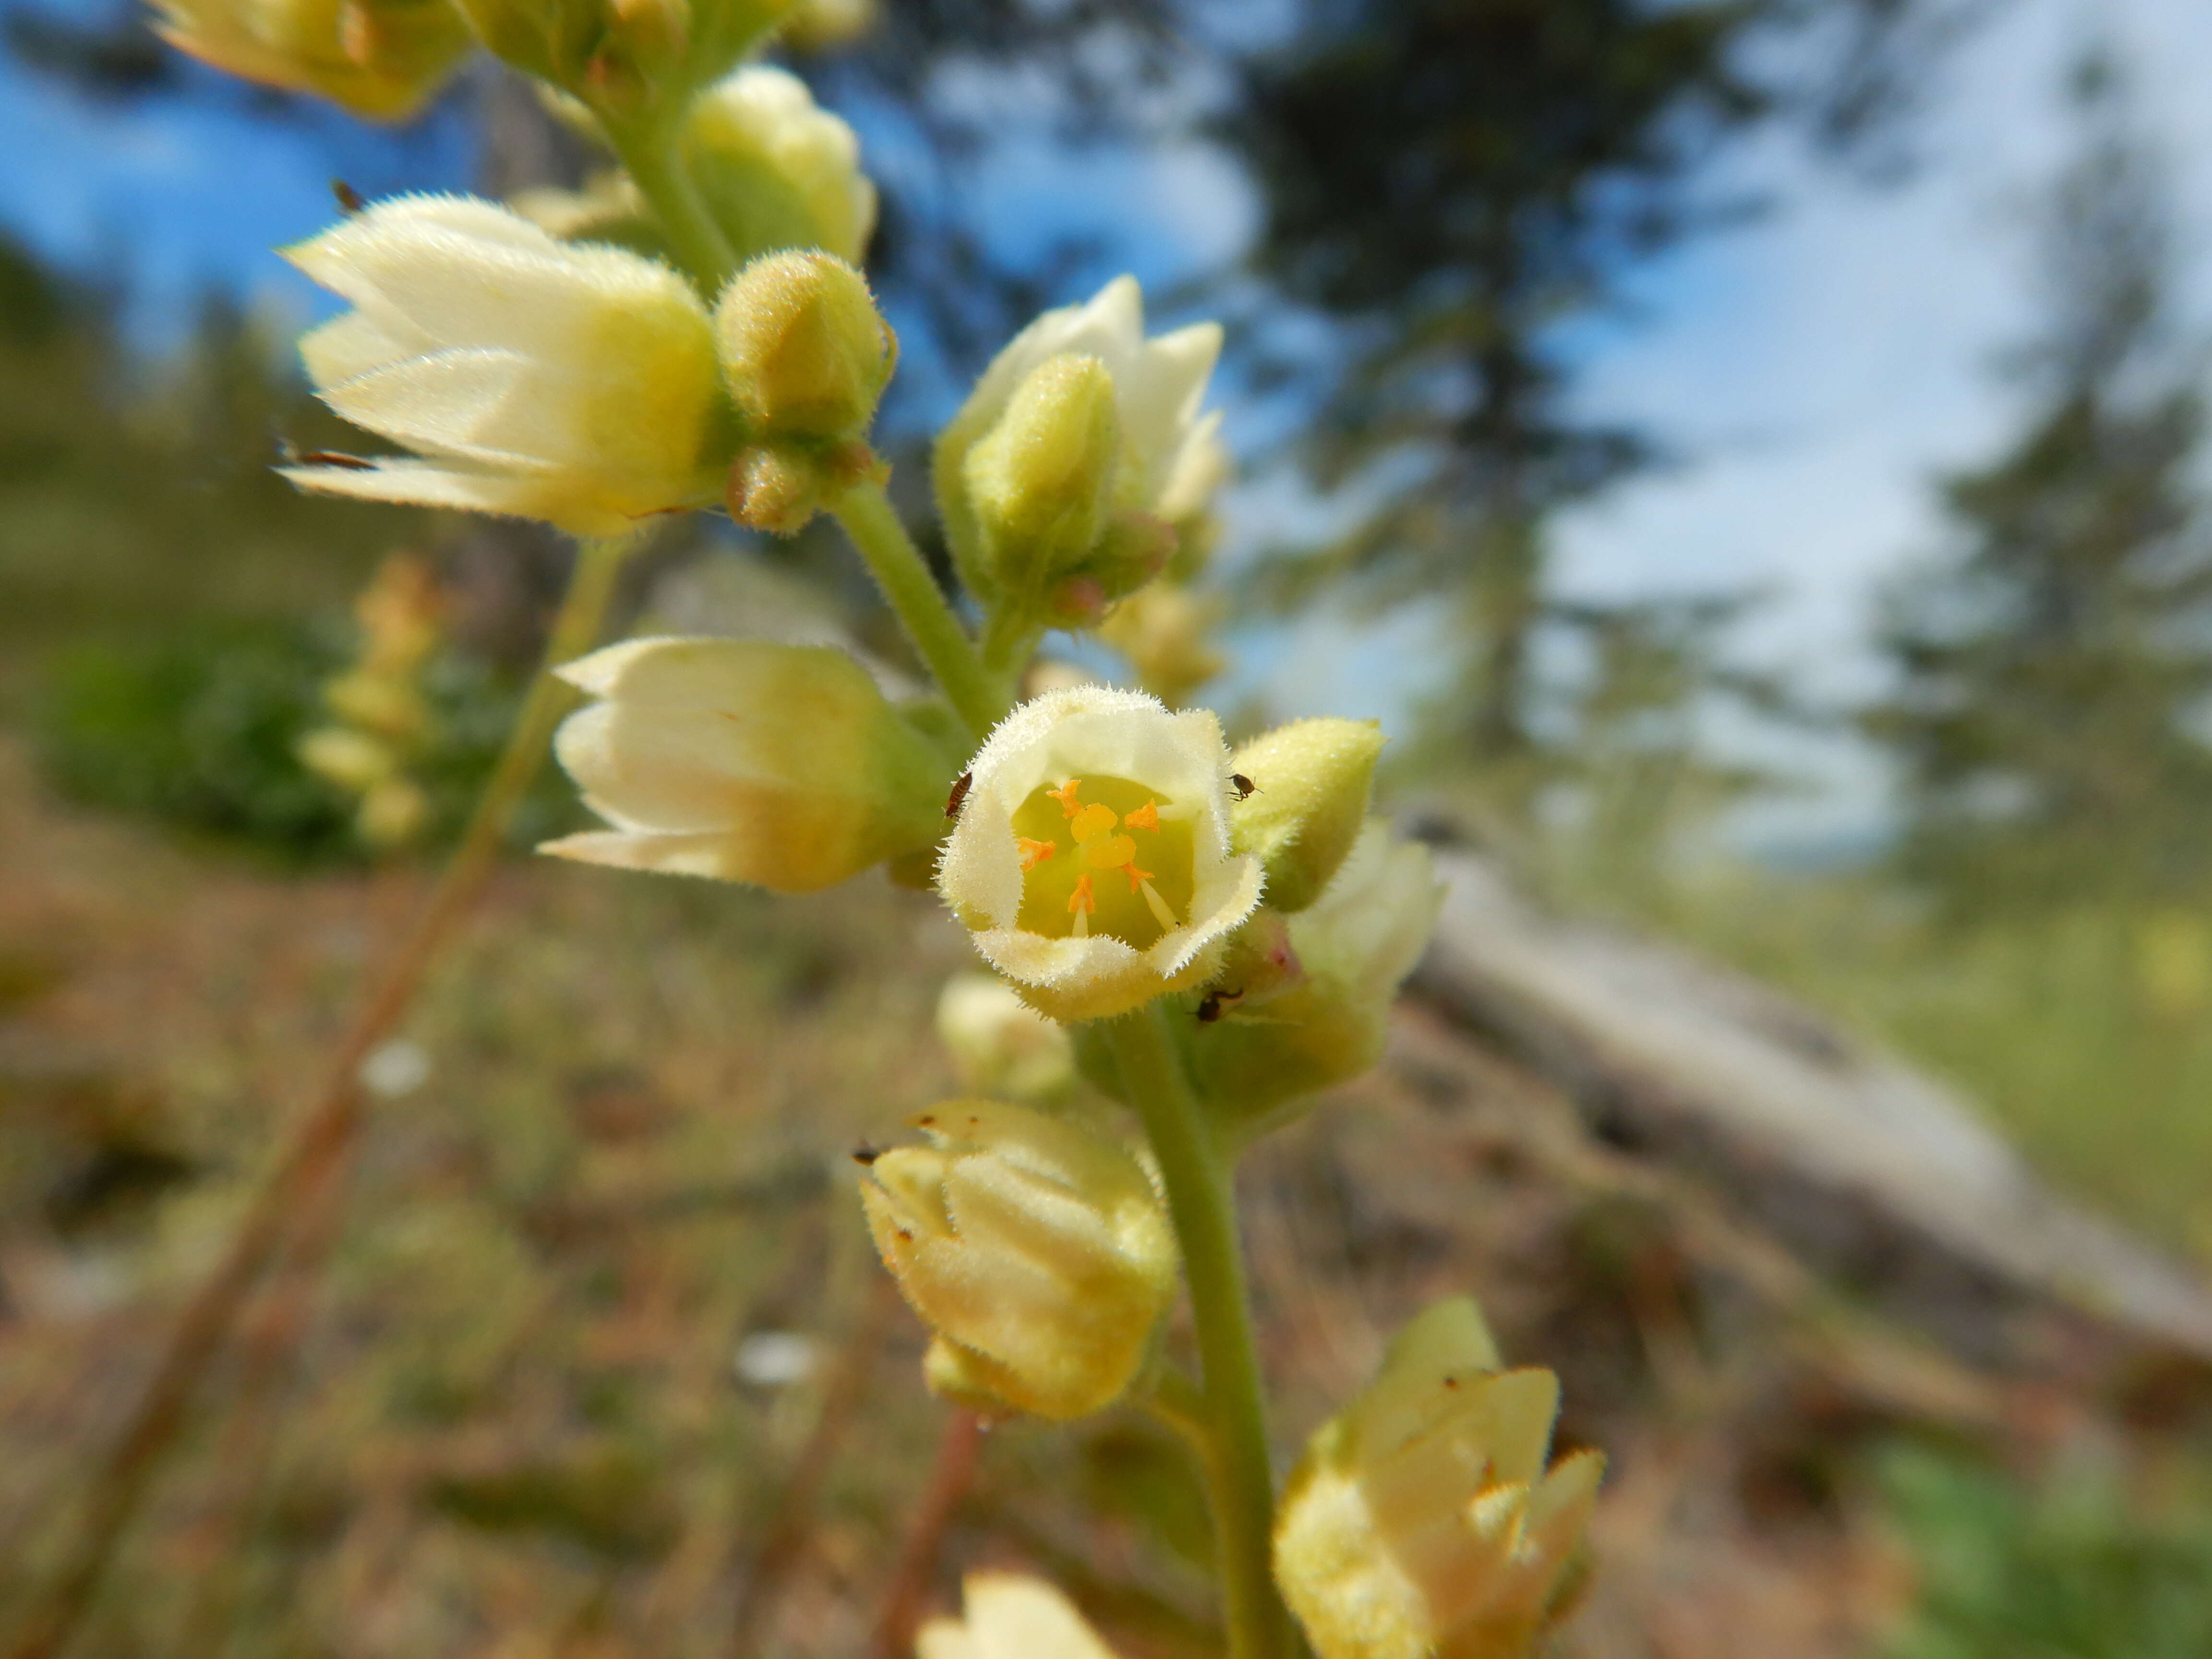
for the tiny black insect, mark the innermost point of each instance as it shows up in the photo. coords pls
(960, 785)
(1244, 787)
(349, 200)
(1210, 1005)
(865, 1154)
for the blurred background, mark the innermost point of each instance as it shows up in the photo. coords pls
(1752, 456)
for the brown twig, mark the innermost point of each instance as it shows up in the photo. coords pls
(319, 1143)
(900, 1611)
(793, 1530)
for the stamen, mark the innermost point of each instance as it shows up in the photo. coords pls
(1158, 905)
(1080, 902)
(1136, 876)
(1034, 853)
(1065, 796)
(1146, 817)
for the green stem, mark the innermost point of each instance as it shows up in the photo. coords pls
(1201, 1199)
(904, 577)
(651, 154)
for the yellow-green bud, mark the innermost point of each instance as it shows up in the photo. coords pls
(999, 1045)
(806, 357)
(780, 765)
(1288, 1030)
(1421, 1521)
(1039, 1253)
(775, 169)
(1042, 479)
(381, 58)
(1009, 1616)
(1310, 783)
(355, 761)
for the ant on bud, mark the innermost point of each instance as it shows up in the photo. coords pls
(1244, 787)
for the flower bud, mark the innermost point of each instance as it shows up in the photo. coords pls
(354, 760)
(1040, 480)
(806, 357)
(813, 25)
(1283, 1034)
(1159, 465)
(1092, 857)
(780, 765)
(1421, 1520)
(777, 170)
(1008, 1616)
(1311, 780)
(381, 58)
(1000, 1045)
(575, 385)
(1036, 1250)
(630, 60)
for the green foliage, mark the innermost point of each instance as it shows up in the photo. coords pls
(2068, 1572)
(200, 730)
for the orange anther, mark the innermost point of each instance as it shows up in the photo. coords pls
(1137, 877)
(1080, 899)
(1065, 796)
(1034, 853)
(1146, 817)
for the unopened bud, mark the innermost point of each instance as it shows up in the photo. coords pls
(1000, 1045)
(381, 58)
(1295, 1033)
(1038, 1252)
(1041, 478)
(1311, 780)
(777, 169)
(629, 60)
(803, 349)
(1422, 1520)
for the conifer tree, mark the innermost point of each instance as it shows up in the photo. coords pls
(2054, 668)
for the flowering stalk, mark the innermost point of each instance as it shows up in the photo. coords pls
(651, 152)
(1231, 1410)
(316, 1154)
(903, 575)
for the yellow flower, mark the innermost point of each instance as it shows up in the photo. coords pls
(1421, 1522)
(382, 58)
(1037, 1251)
(1091, 856)
(1010, 1616)
(575, 385)
(780, 765)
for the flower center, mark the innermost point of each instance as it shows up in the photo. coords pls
(1103, 856)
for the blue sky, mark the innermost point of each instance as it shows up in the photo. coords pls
(1815, 369)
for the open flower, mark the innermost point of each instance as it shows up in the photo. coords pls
(1008, 1615)
(1037, 1251)
(1167, 458)
(1092, 857)
(781, 765)
(575, 385)
(381, 58)
(1421, 1522)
